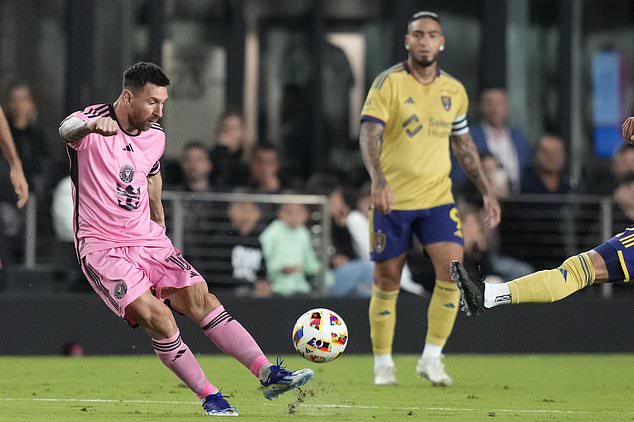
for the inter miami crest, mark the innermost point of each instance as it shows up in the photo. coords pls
(126, 173)
(378, 242)
(446, 102)
(120, 290)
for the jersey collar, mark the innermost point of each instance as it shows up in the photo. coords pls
(113, 116)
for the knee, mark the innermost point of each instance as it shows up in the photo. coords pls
(201, 304)
(158, 321)
(578, 270)
(442, 264)
(209, 303)
(387, 282)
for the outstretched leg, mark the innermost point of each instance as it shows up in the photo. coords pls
(158, 321)
(575, 273)
(232, 338)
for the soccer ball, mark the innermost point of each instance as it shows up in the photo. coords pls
(320, 335)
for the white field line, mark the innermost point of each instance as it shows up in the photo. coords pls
(334, 406)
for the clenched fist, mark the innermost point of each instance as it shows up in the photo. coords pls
(628, 129)
(105, 126)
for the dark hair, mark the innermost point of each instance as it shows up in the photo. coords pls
(195, 144)
(492, 88)
(626, 179)
(625, 146)
(136, 76)
(262, 147)
(229, 113)
(322, 184)
(18, 85)
(424, 14)
(545, 135)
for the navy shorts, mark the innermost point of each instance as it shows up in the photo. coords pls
(618, 254)
(391, 233)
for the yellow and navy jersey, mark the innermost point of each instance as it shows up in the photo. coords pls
(418, 120)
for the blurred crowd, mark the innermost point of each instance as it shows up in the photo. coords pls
(248, 247)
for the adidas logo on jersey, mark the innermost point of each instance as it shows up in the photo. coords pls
(128, 148)
(409, 100)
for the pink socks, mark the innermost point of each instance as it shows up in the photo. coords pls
(226, 333)
(231, 337)
(179, 359)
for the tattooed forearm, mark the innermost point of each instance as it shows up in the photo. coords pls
(370, 143)
(467, 155)
(72, 129)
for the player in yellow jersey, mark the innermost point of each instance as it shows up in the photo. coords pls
(412, 114)
(610, 261)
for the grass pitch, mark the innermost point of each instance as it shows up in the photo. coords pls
(139, 388)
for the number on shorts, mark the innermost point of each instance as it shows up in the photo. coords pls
(455, 217)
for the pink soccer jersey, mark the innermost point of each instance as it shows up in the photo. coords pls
(109, 176)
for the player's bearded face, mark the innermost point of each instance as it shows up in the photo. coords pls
(425, 59)
(424, 41)
(147, 106)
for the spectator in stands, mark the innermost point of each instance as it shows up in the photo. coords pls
(12, 184)
(624, 195)
(358, 224)
(264, 170)
(197, 168)
(239, 263)
(479, 256)
(496, 175)
(359, 228)
(353, 274)
(64, 260)
(288, 251)
(229, 150)
(203, 218)
(540, 231)
(478, 240)
(623, 162)
(478, 251)
(601, 177)
(507, 144)
(30, 140)
(548, 172)
(62, 210)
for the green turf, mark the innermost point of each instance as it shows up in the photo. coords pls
(516, 388)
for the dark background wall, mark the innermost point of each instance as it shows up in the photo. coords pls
(42, 324)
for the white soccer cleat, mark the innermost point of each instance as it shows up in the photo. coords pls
(434, 370)
(384, 375)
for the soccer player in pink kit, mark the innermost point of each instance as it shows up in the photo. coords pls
(114, 151)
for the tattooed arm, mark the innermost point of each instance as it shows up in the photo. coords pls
(73, 129)
(370, 143)
(467, 155)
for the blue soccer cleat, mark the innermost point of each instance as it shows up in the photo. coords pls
(216, 405)
(281, 380)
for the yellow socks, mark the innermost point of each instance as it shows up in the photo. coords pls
(441, 313)
(382, 320)
(548, 286)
